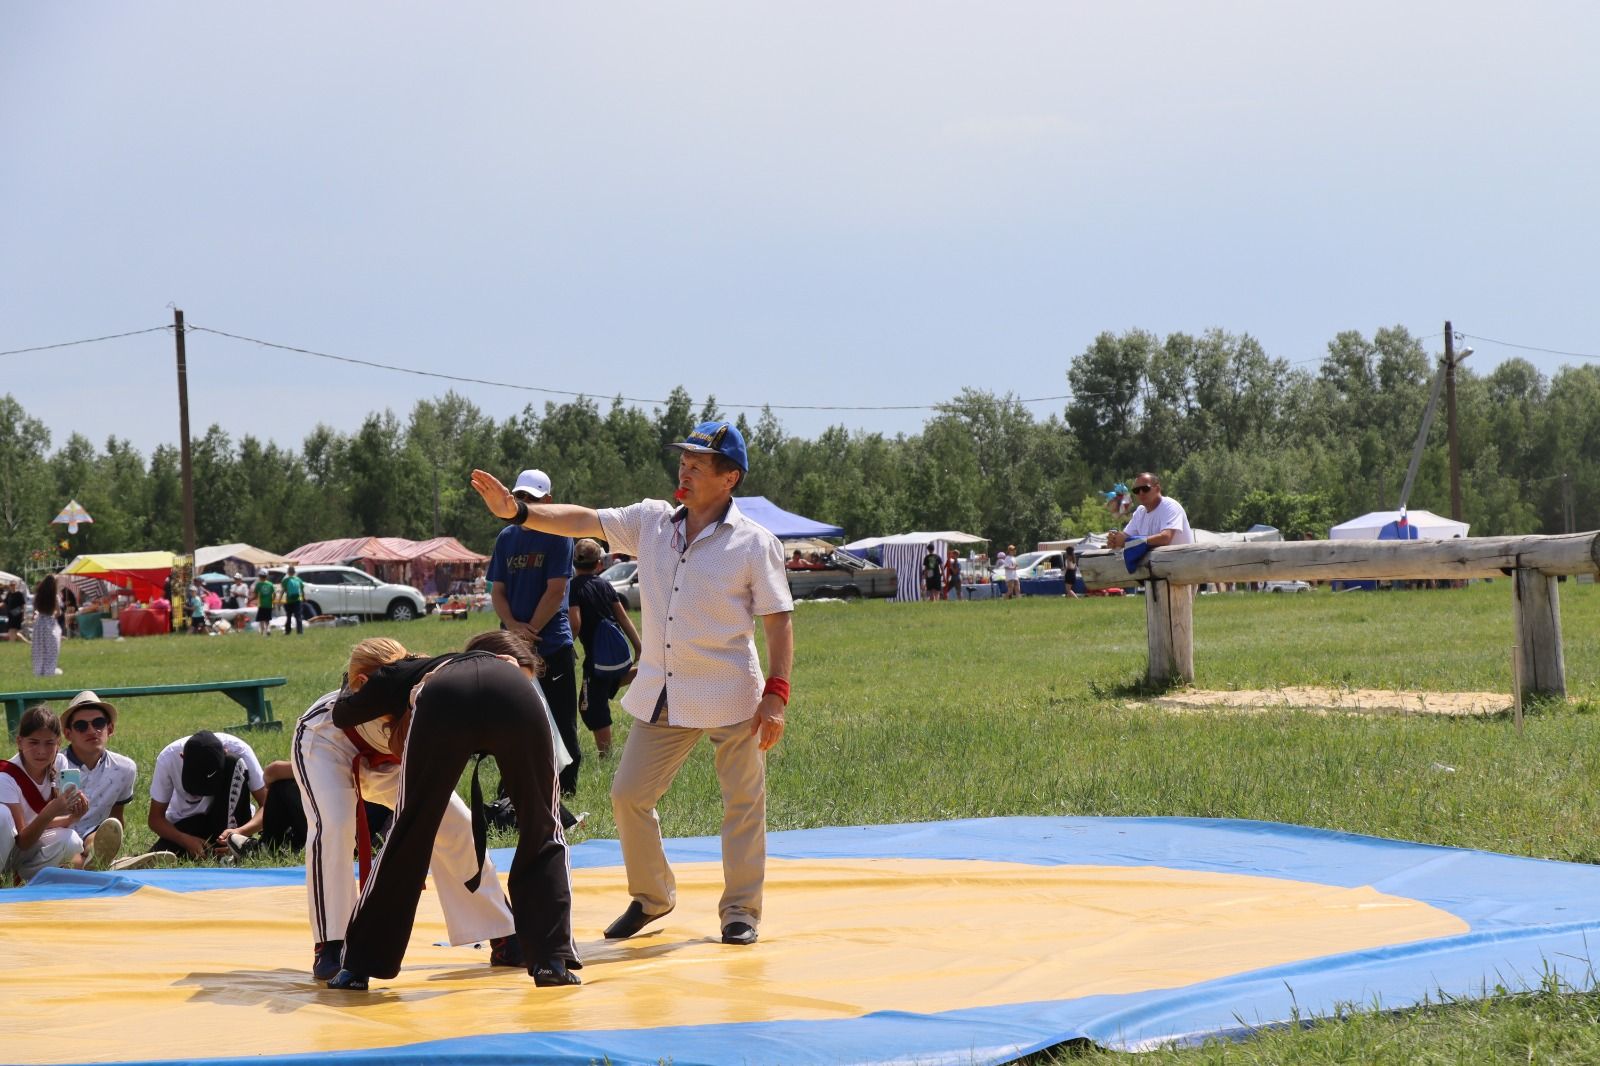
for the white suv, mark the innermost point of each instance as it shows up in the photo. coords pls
(348, 590)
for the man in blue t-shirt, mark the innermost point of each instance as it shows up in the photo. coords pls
(530, 571)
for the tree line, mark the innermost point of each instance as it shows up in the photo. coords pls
(1238, 437)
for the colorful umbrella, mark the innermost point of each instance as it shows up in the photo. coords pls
(72, 515)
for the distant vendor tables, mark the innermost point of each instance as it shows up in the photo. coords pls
(145, 621)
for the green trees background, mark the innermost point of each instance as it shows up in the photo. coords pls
(1238, 436)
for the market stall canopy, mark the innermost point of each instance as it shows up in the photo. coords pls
(1428, 526)
(6, 577)
(244, 553)
(145, 572)
(949, 536)
(350, 550)
(785, 525)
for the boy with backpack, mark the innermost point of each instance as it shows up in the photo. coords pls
(610, 641)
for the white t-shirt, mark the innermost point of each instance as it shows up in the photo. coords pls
(166, 784)
(11, 792)
(1169, 514)
(1009, 564)
(108, 784)
(240, 592)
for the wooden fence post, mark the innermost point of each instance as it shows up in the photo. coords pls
(1536, 610)
(1169, 627)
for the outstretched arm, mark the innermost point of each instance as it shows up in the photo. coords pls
(562, 519)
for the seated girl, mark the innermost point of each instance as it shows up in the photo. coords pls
(36, 818)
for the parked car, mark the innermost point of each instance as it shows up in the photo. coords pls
(841, 575)
(624, 577)
(1287, 586)
(350, 591)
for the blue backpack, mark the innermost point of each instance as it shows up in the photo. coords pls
(609, 652)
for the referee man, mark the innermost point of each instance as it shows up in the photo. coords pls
(706, 572)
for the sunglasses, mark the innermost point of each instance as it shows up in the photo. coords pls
(83, 725)
(1140, 490)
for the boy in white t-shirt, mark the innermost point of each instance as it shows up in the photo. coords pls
(36, 817)
(107, 778)
(200, 794)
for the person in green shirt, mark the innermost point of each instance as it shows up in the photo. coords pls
(294, 591)
(265, 590)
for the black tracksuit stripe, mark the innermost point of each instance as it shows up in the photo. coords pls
(314, 869)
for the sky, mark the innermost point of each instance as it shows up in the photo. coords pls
(804, 205)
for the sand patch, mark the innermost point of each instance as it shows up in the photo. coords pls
(1332, 701)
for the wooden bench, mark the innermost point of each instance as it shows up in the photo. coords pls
(251, 695)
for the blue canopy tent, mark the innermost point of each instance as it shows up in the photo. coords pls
(784, 525)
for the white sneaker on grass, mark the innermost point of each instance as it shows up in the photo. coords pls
(145, 861)
(107, 842)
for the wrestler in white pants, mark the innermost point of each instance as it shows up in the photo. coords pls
(323, 758)
(55, 847)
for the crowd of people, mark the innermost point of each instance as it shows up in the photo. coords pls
(708, 574)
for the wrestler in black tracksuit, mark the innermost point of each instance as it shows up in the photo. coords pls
(473, 702)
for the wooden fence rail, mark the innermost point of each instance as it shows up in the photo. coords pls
(1169, 576)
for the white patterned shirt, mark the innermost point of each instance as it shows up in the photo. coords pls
(108, 784)
(699, 604)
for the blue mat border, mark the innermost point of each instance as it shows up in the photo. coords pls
(1529, 918)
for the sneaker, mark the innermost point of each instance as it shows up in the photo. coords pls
(145, 861)
(325, 966)
(349, 982)
(241, 845)
(507, 951)
(107, 842)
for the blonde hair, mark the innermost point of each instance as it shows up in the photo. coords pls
(373, 653)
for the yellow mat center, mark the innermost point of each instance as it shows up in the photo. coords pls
(226, 973)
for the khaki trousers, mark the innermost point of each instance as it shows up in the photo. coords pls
(651, 758)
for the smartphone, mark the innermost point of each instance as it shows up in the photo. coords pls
(71, 780)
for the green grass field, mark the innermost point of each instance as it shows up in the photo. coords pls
(931, 711)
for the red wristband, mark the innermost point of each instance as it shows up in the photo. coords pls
(777, 686)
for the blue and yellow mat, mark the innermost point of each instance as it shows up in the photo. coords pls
(963, 942)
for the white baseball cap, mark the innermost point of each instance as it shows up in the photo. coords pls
(534, 482)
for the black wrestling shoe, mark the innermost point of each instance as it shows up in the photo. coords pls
(326, 965)
(633, 919)
(741, 933)
(507, 951)
(551, 973)
(346, 981)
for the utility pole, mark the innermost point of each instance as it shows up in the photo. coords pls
(436, 532)
(183, 436)
(1568, 515)
(1450, 421)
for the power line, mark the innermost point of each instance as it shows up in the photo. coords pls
(568, 392)
(87, 340)
(1532, 348)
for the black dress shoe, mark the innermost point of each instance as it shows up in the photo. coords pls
(741, 933)
(633, 919)
(348, 982)
(550, 973)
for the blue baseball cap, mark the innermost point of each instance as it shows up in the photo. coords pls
(717, 438)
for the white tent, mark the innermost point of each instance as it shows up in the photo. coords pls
(244, 553)
(949, 536)
(1428, 525)
(903, 554)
